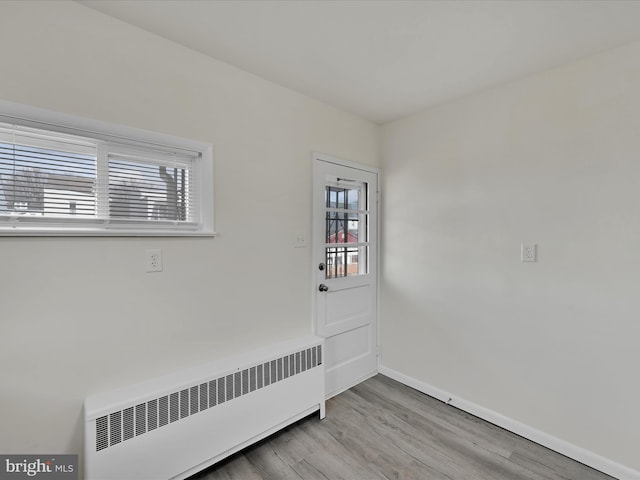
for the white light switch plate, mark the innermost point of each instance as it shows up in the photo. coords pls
(528, 252)
(300, 240)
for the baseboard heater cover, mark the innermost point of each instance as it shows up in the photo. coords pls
(174, 426)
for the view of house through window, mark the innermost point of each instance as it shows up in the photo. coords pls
(346, 229)
(52, 176)
(44, 176)
(147, 192)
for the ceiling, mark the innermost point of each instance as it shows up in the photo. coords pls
(386, 59)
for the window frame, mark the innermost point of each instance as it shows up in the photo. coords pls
(203, 172)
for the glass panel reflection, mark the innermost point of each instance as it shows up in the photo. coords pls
(346, 261)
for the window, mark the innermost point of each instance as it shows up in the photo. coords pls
(66, 179)
(346, 228)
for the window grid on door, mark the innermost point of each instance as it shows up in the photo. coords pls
(346, 228)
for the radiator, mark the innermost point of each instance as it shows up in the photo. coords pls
(177, 425)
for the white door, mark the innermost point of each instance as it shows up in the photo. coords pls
(345, 219)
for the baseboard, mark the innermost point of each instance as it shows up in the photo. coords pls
(581, 455)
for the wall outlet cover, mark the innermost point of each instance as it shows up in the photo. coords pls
(528, 252)
(153, 260)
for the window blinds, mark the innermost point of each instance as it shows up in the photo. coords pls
(55, 178)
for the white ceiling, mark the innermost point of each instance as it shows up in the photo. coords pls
(384, 59)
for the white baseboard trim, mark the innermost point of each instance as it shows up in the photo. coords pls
(579, 454)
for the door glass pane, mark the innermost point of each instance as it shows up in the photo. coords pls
(346, 219)
(346, 261)
(342, 198)
(345, 227)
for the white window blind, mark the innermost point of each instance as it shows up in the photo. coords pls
(54, 182)
(151, 187)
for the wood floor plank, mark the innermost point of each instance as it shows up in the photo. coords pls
(383, 430)
(456, 447)
(270, 465)
(337, 467)
(374, 447)
(555, 467)
(236, 467)
(409, 403)
(296, 445)
(402, 439)
(448, 455)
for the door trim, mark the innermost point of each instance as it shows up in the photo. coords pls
(320, 157)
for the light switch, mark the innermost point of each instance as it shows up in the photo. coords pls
(300, 240)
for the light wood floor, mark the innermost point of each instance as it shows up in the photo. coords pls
(382, 429)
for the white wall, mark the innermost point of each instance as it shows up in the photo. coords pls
(550, 159)
(553, 159)
(80, 316)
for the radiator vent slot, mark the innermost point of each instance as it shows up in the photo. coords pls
(122, 425)
(102, 433)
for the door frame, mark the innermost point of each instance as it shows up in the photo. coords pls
(315, 234)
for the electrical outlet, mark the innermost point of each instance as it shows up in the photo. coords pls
(154, 260)
(528, 252)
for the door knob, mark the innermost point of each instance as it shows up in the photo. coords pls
(323, 288)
